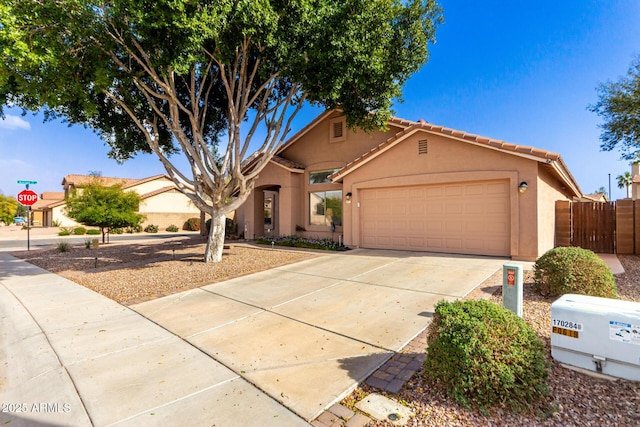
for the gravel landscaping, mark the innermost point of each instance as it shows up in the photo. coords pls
(131, 273)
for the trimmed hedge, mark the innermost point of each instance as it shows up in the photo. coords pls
(483, 355)
(569, 270)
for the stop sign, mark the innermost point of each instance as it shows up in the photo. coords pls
(27, 197)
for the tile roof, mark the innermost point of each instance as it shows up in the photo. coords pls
(422, 126)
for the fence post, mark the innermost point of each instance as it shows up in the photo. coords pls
(563, 223)
(625, 230)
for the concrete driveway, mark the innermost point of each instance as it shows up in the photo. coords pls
(307, 333)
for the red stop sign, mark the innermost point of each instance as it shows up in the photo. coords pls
(27, 197)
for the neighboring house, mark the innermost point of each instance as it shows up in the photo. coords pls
(596, 197)
(415, 186)
(162, 203)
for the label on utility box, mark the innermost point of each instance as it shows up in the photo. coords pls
(624, 332)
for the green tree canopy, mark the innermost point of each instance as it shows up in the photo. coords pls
(104, 207)
(619, 107)
(174, 76)
(624, 181)
(8, 208)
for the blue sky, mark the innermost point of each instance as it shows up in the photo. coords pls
(520, 71)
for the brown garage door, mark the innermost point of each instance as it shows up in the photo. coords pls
(465, 218)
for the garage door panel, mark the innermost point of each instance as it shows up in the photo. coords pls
(461, 218)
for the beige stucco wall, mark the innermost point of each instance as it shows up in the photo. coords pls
(170, 201)
(449, 161)
(58, 214)
(150, 186)
(549, 190)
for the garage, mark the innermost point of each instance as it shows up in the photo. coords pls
(463, 218)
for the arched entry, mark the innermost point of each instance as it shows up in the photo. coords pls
(266, 209)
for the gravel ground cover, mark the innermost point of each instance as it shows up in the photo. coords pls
(130, 273)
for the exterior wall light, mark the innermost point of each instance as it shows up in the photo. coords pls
(522, 187)
(347, 197)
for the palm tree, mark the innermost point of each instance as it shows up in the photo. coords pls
(625, 180)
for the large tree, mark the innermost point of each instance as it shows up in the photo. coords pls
(182, 76)
(105, 207)
(619, 106)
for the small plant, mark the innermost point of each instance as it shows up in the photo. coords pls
(79, 231)
(116, 230)
(65, 231)
(93, 232)
(62, 246)
(172, 228)
(569, 270)
(56, 223)
(301, 242)
(87, 243)
(151, 228)
(192, 224)
(483, 355)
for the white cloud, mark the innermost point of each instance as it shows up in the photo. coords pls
(11, 122)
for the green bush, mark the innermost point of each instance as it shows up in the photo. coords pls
(56, 223)
(93, 231)
(87, 243)
(79, 231)
(65, 231)
(192, 224)
(483, 355)
(569, 270)
(172, 228)
(151, 228)
(136, 229)
(302, 242)
(116, 230)
(62, 246)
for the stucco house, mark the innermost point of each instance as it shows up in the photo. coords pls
(162, 203)
(415, 186)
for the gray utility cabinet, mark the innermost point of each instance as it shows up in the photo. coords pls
(598, 334)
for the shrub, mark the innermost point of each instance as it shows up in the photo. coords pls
(172, 228)
(301, 242)
(116, 230)
(79, 231)
(56, 223)
(135, 229)
(62, 246)
(569, 270)
(192, 224)
(151, 228)
(482, 355)
(65, 231)
(93, 231)
(87, 243)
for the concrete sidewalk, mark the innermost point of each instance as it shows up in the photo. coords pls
(70, 356)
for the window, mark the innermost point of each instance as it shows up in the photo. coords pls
(321, 177)
(337, 130)
(325, 207)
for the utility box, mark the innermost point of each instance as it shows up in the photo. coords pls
(597, 334)
(512, 287)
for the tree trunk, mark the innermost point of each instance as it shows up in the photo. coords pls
(203, 224)
(215, 244)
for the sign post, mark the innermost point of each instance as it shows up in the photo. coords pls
(512, 287)
(27, 198)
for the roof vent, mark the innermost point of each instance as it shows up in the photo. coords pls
(423, 147)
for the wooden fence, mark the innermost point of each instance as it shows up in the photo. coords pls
(612, 227)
